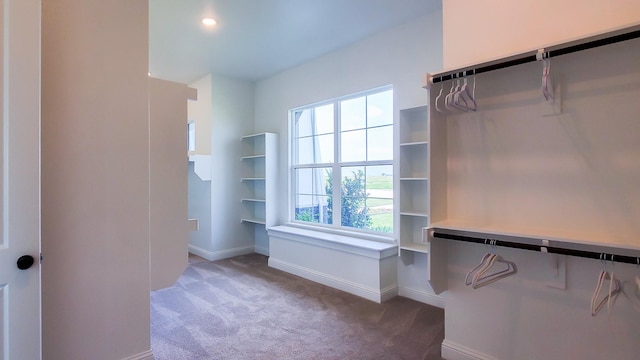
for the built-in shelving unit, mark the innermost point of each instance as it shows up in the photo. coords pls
(258, 178)
(514, 171)
(414, 178)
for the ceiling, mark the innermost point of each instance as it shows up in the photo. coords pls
(255, 39)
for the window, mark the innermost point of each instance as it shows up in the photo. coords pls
(342, 153)
(191, 137)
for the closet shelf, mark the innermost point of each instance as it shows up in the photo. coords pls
(607, 38)
(254, 221)
(415, 143)
(531, 235)
(414, 213)
(415, 247)
(252, 200)
(253, 157)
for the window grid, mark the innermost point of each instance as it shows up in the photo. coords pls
(337, 165)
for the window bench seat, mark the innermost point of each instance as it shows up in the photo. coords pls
(362, 267)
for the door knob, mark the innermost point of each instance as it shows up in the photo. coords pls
(25, 262)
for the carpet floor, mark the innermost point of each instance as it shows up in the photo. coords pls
(240, 308)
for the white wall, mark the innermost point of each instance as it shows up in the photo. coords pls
(168, 181)
(95, 180)
(519, 317)
(200, 114)
(231, 118)
(475, 31)
(199, 207)
(399, 56)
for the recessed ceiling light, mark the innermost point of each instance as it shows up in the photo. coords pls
(209, 21)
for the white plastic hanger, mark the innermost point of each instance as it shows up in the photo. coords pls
(447, 98)
(547, 81)
(438, 98)
(459, 100)
(477, 274)
(480, 280)
(472, 272)
(469, 94)
(614, 289)
(637, 287)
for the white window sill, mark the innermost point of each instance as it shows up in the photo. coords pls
(377, 247)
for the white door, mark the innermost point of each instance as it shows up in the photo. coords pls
(19, 179)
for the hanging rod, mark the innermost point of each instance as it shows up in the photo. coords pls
(542, 248)
(531, 56)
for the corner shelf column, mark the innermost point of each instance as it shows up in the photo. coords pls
(259, 171)
(414, 178)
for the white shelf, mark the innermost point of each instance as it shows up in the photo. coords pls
(258, 177)
(254, 221)
(414, 213)
(253, 157)
(579, 240)
(415, 247)
(253, 136)
(413, 175)
(415, 143)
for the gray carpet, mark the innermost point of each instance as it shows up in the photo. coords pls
(240, 308)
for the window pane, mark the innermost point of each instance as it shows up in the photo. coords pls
(314, 149)
(303, 123)
(324, 119)
(304, 181)
(380, 143)
(312, 202)
(191, 137)
(381, 214)
(364, 128)
(353, 114)
(379, 181)
(353, 195)
(303, 146)
(380, 109)
(324, 149)
(353, 145)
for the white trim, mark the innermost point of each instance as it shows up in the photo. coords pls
(352, 233)
(453, 351)
(422, 296)
(362, 247)
(222, 254)
(334, 282)
(337, 164)
(147, 355)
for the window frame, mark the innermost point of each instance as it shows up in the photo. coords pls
(336, 166)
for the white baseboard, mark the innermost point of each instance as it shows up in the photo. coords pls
(422, 296)
(453, 351)
(147, 355)
(219, 255)
(334, 282)
(262, 250)
(388, 293)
